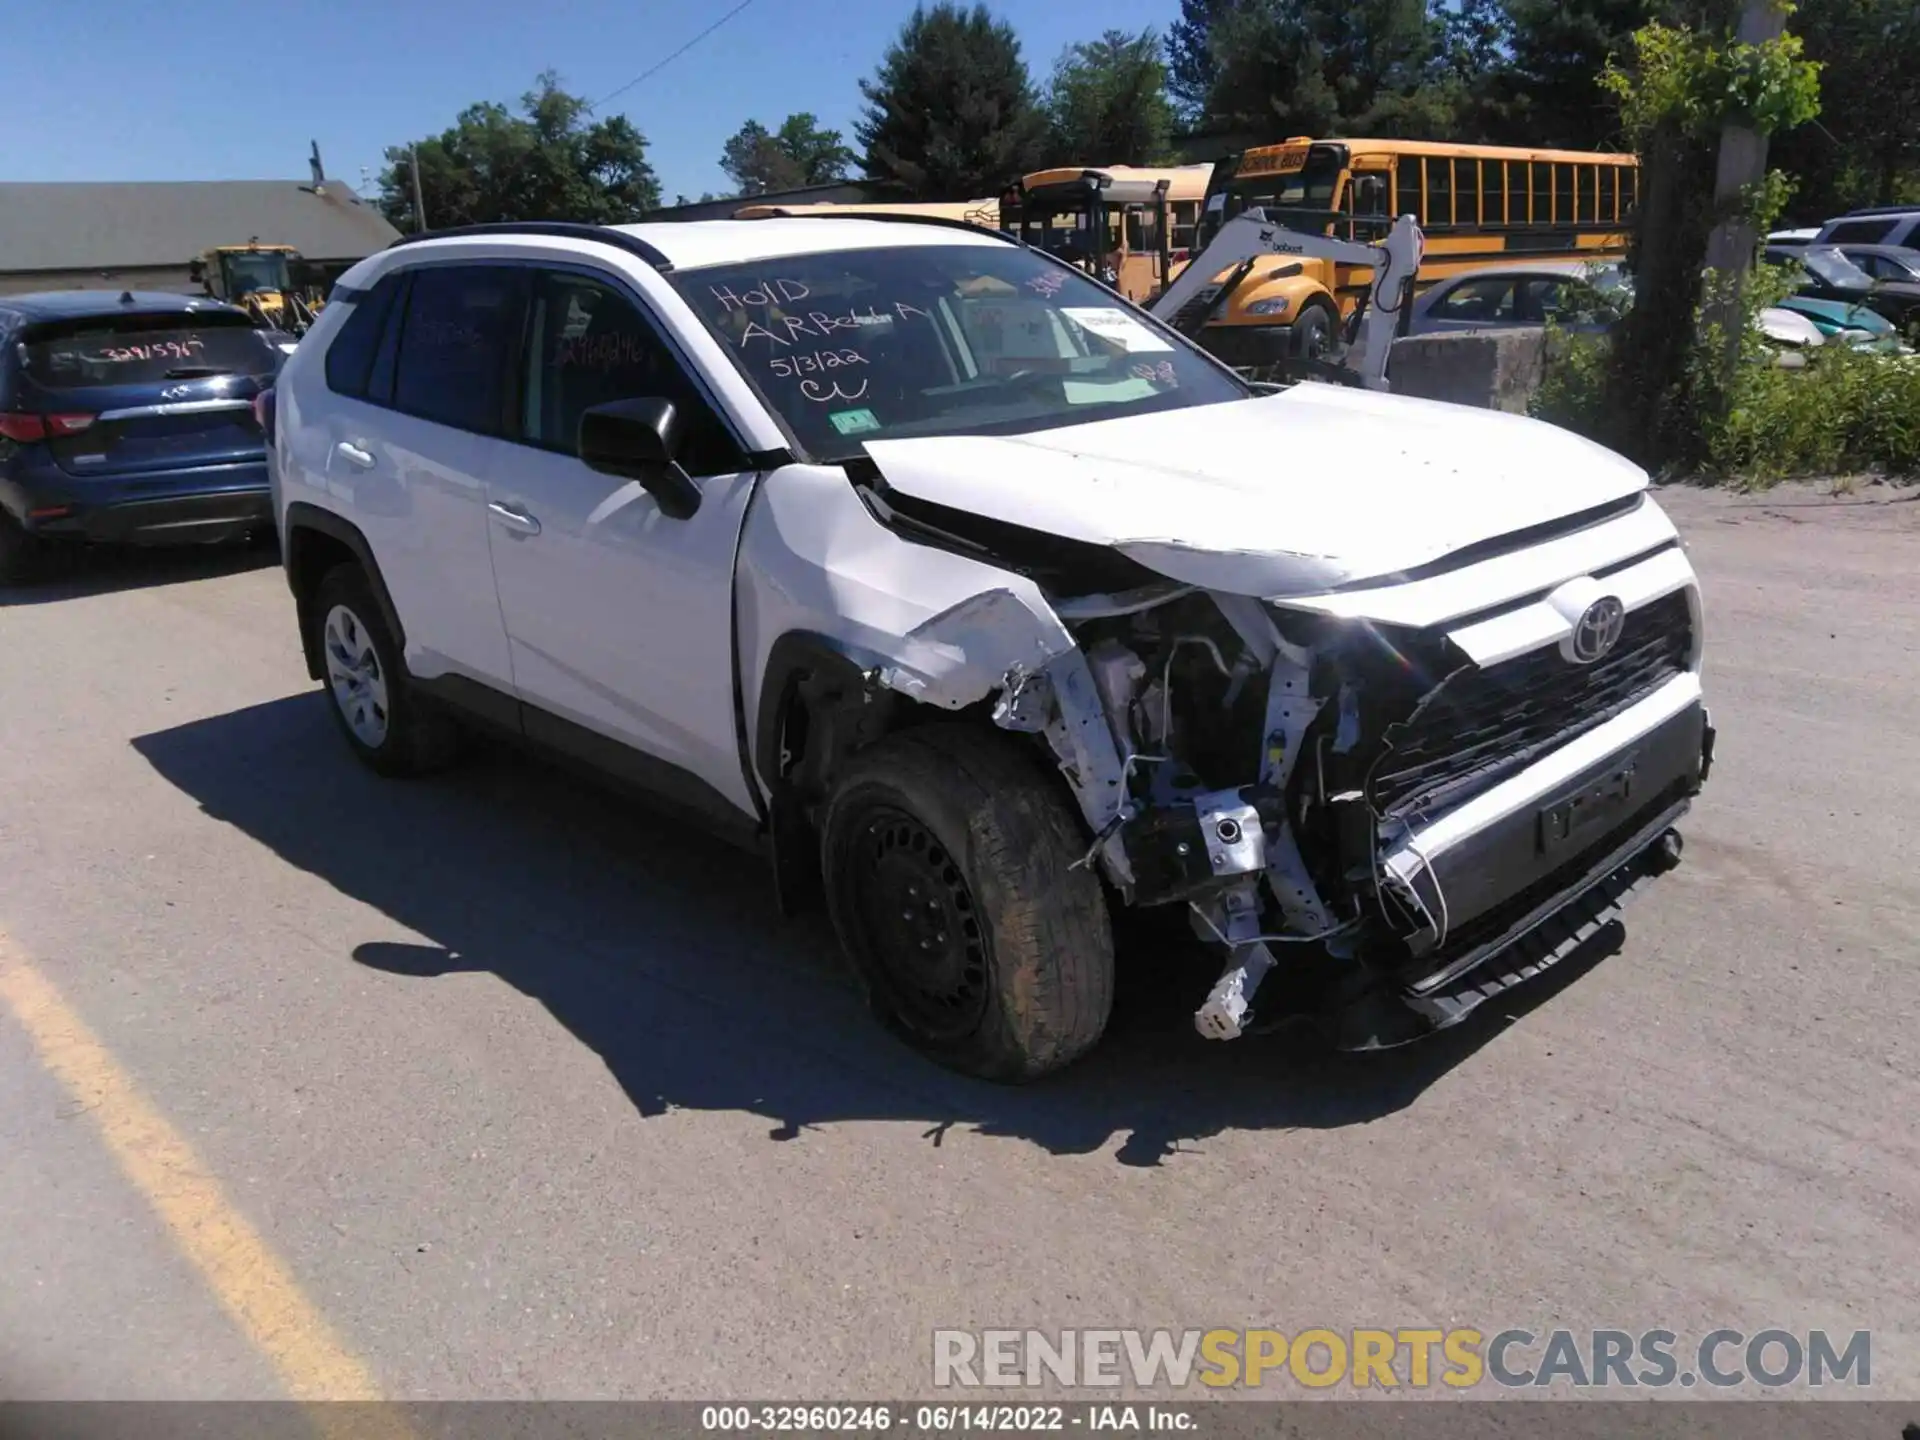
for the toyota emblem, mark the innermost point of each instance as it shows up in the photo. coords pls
(1598, 629)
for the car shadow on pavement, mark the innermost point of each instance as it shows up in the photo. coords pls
(78, 572)
(663, 951)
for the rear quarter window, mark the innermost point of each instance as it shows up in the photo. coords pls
(350, 357)
(142, 349)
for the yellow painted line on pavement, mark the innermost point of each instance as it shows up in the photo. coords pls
(250, 1281)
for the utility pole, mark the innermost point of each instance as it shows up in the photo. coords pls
(419, 205)
(1743, 162)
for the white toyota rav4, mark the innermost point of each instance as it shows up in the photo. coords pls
(986, 606)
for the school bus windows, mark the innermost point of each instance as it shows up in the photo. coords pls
(1542, 192)
(1466, 192)
(1407, 197)
(1439, 191)
(1493, 203)
(1609, 193)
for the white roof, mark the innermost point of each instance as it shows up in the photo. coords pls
(693, 243)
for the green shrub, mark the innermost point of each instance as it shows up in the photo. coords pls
(1844, 412)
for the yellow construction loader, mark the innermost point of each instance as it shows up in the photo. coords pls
(260, 279)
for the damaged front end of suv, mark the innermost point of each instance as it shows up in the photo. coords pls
(1382, 801)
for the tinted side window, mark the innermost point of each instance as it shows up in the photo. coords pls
(350, 356)
(458, 341)
(1478, 300)
(1859, 232)
(588, 345)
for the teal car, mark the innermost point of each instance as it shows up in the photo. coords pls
(1865, 328)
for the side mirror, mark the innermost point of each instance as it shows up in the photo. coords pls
(640, 439)
(197, 272)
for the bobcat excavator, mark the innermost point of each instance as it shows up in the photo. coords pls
(1199, 294)
(259, 279)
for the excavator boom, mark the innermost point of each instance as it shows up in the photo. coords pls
(1250, 236)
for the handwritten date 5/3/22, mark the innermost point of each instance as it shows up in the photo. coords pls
(814, 362)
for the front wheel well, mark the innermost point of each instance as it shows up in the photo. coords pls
(819, 710)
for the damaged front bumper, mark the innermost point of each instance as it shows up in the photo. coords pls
(1539, 888)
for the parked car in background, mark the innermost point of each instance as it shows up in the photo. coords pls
(1826, 274)
(1887, 225)
(1572, 294)
(129, 418)
(1885, 262)
(1586, 298)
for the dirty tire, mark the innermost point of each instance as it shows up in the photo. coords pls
(1313, 332)
(953, 841)
(412, 739)
(20, 555)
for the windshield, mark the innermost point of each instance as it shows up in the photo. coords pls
(142, 349)
(249, 272)
(856, 345)
(1309, 191)
(1834, 268)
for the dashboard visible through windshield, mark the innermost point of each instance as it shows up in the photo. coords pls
(848, 346)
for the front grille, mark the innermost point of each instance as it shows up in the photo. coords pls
(1480, 725)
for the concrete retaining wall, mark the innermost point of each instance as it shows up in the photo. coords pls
(1492, 369)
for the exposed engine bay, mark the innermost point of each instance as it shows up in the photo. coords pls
(1269, 761)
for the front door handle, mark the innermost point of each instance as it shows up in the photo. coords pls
(517, 521)
(354, 455)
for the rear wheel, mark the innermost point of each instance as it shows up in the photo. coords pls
(948, 858)
(369, 690)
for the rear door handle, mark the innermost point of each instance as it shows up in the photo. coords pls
(518, 521)
(354, 455)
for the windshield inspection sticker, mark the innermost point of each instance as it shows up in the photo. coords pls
(854, 422)
(1116, 325)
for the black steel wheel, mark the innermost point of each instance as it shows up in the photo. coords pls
(948, 855)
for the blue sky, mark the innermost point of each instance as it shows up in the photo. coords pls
(132, 90)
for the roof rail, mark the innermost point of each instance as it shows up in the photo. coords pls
(558, 229)
(944, 222)
(1877, 210)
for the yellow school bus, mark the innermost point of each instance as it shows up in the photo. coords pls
(1478, 205)
(984, 213)
(1131, 225)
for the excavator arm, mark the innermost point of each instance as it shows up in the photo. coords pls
(1250, 236)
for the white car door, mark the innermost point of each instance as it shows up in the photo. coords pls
(408, 447)
(619, 618)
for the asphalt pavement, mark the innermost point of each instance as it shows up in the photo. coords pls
(498, 1087)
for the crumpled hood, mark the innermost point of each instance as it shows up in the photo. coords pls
(1286, 494)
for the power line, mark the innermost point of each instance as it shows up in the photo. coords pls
(655, 69)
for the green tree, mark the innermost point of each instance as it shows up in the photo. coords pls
(551, 161)
(1313, 67)
(1107, 102)
(1192, 64)
(1866, 149)
(798, 153)
(1559, 50)
(951, 112)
